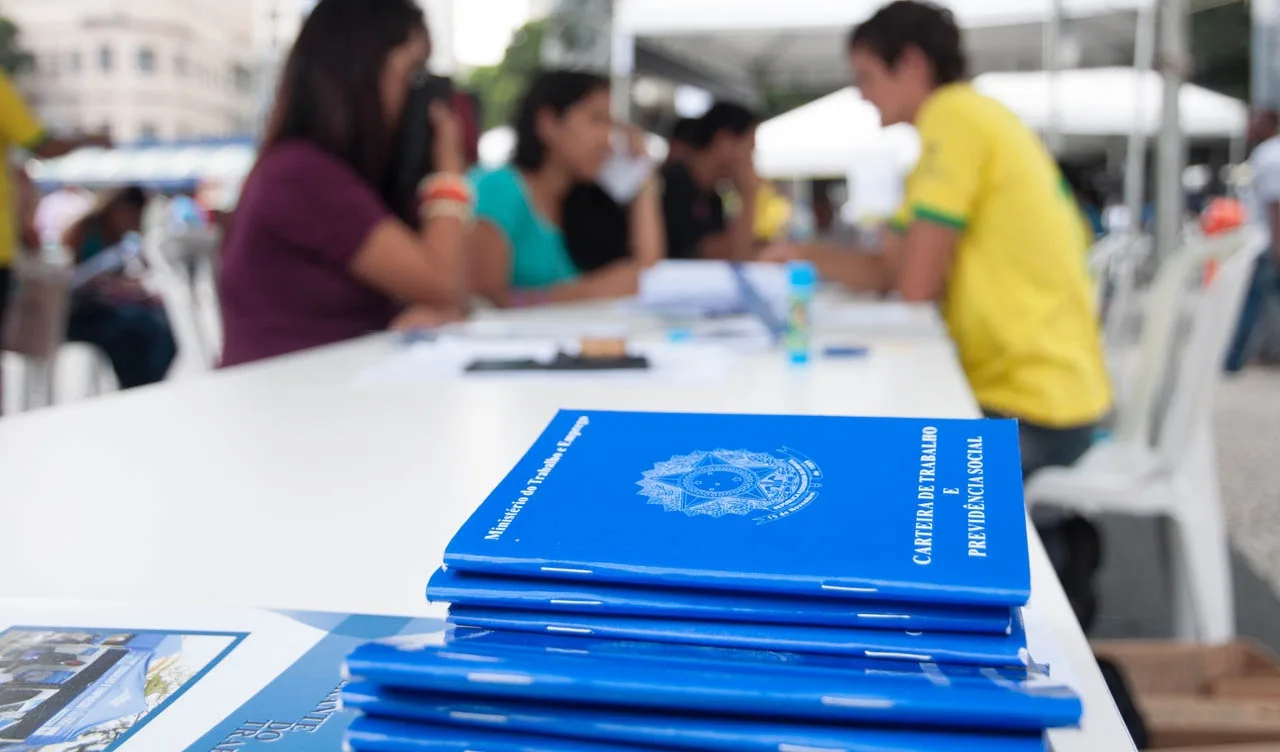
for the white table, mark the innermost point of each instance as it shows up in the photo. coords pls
(283, 485)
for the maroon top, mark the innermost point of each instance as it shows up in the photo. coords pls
(286, 283)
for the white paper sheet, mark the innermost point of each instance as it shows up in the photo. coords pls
(889, 317)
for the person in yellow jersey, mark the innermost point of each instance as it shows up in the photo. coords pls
(989, 230)
(20, 129)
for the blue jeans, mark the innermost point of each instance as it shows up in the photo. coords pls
(135, 337)
(1266, 282)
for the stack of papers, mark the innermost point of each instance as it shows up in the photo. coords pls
(730, 582)
(712, 288)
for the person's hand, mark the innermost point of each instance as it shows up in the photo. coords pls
(448, 140)
(418, 318)
(745, 178)
(619, 280)
(781, 253)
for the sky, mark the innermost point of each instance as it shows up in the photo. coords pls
(482, 28)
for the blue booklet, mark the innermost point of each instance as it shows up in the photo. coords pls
(449, 586)
(926, 511)
(912, 695)
(377, 735)
(665, 730)
(471, 639)
(666, 652)
(919, 647)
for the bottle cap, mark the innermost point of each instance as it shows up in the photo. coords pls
(802, 273)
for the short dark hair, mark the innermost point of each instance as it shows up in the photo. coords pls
(555, 90)
(684, 131)
(723, 116)
(132, 196)
(914, 23)
(330, 93)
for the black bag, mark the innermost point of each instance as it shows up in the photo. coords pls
(1074, 546)
(1129, 712)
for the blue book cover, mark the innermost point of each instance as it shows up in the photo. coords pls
(865, 508)
(472, 639)
(667, 730)
(913, 695)
(378, 735)
(483, 591)
(918, 647)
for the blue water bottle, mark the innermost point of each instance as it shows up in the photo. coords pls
(804, 281)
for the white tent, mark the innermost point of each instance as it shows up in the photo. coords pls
(1113, 102)
(799, 44)
(167, 166)
(828, 137)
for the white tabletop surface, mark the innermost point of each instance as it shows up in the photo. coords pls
(286, 485)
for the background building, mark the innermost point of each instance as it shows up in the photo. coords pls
(144, 69)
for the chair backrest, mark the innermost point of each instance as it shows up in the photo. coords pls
(1199, 368)
(1104, 256)
(1116, 275)
(1157, 369)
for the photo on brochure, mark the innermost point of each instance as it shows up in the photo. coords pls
(86, 690)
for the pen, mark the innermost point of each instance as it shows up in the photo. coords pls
(846, 351)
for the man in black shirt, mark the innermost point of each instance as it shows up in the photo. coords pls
(723, 147)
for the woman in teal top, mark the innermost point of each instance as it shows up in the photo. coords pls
(517, 248)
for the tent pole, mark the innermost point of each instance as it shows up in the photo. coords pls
(1135, 173)
(1171, 151)
(1053, 65)
(1265, 65)
(622, 61)
(622, 69)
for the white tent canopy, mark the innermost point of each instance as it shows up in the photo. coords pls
(800, 43)
(172, 166)
(832, 135)
(1113, 102)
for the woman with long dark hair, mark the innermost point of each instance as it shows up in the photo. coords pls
(517, 248)
(320, 250)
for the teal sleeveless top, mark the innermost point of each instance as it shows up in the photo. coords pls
(539, 257)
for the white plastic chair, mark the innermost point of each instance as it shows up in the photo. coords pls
(183, 263)
(1114, 262)
(1161, 460)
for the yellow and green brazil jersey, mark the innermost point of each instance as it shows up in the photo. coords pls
(18, 127)
(1017, 300)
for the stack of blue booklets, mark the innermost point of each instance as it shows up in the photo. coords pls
(730, 582)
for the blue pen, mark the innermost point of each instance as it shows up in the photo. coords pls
(846, 351)
(414, 336)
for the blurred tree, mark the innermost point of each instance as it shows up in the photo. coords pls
(501, 86)
(14, 59)
(1220, 39)
(774, 103)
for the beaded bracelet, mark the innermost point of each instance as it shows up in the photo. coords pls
(445, 196)
(448, 209)
(445, 186)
